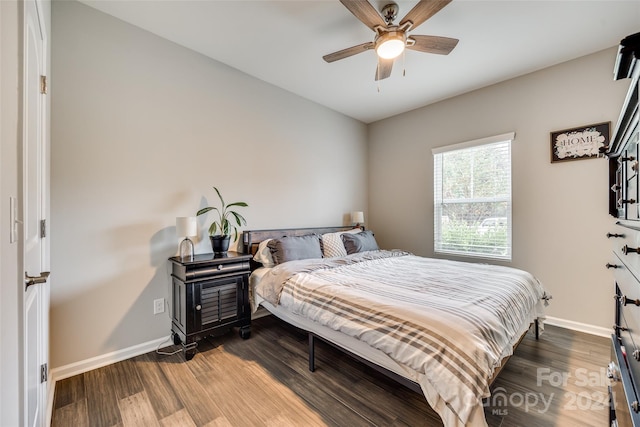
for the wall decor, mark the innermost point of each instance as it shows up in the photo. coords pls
(586, 142)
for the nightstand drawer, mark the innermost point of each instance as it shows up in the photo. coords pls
(217, 269)
(193, 271)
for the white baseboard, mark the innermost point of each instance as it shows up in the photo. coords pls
(580, 327)
(66, 371)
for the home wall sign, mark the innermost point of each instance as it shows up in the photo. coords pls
(586, 142)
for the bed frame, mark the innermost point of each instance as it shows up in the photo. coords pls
(252, 238)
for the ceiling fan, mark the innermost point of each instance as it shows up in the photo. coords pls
(391, 40)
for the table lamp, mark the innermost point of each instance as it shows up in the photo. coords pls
(357, 218)
(186, 226)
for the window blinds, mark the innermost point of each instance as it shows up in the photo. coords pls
(472, 198)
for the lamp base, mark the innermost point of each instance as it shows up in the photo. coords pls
(186, 250)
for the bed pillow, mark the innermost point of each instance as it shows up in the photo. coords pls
(332, 245)
(291, 248)
(263, 255)
(360, 242)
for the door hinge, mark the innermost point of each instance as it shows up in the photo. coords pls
(43, 228)
(43, 85)
(43, 373)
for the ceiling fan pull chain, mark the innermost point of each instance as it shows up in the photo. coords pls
(404, 68)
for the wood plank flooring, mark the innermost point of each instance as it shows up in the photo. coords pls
(264, 381)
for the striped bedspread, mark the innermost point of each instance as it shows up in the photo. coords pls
(452, 322)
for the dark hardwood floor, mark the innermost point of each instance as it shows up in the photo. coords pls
(264, 381)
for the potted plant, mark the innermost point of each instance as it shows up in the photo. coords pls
(227, 220)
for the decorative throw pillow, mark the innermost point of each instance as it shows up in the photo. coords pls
(291, 248)
(263, 255)
(332, 245)
(360, 242)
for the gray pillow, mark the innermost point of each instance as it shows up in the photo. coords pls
(291, 248)
(360, 242)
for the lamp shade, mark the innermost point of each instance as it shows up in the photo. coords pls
(357, 217)
(186, 226)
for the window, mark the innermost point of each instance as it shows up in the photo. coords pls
(472, 198)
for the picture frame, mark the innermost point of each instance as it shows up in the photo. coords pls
(585, 142)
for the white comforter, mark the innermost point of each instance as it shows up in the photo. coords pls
(452, 322)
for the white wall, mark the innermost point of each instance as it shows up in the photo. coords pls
(141, 131)
(559, 210)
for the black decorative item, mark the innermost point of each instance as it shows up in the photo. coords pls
(220, 243)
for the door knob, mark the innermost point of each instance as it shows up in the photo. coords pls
(35, 280)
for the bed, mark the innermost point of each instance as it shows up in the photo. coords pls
(441, 327)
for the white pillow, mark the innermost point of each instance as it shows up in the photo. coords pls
(332, 245)
(263, 255)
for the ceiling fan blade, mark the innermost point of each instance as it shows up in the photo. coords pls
(422, 11)
(365, 12)
(350, 51)
(432, 44)
(384, 68)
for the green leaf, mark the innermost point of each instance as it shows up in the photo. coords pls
(243, 204)
(223, 224)
(205, 210)
(213, 228)
(239, 218)
(220, 196)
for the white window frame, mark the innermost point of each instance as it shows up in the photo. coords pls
(438, 200)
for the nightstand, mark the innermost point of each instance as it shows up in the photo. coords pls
(210, 296)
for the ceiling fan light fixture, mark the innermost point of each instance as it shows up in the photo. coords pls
(391, 40)
(390, 45)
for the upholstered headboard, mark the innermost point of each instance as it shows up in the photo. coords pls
(252, 238)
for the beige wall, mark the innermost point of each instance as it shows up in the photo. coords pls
(142, 130)
(559, 210)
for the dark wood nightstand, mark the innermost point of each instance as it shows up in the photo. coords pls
(210, 296)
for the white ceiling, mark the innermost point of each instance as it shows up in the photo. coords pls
(282, 42)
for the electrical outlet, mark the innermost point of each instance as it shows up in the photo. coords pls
(158, 306)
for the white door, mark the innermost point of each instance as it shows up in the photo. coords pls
(36, 292)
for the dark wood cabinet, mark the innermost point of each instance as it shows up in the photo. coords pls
(210, 296)
(623, 153)
(624, 205)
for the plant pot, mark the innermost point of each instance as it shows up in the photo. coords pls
(220, 244)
